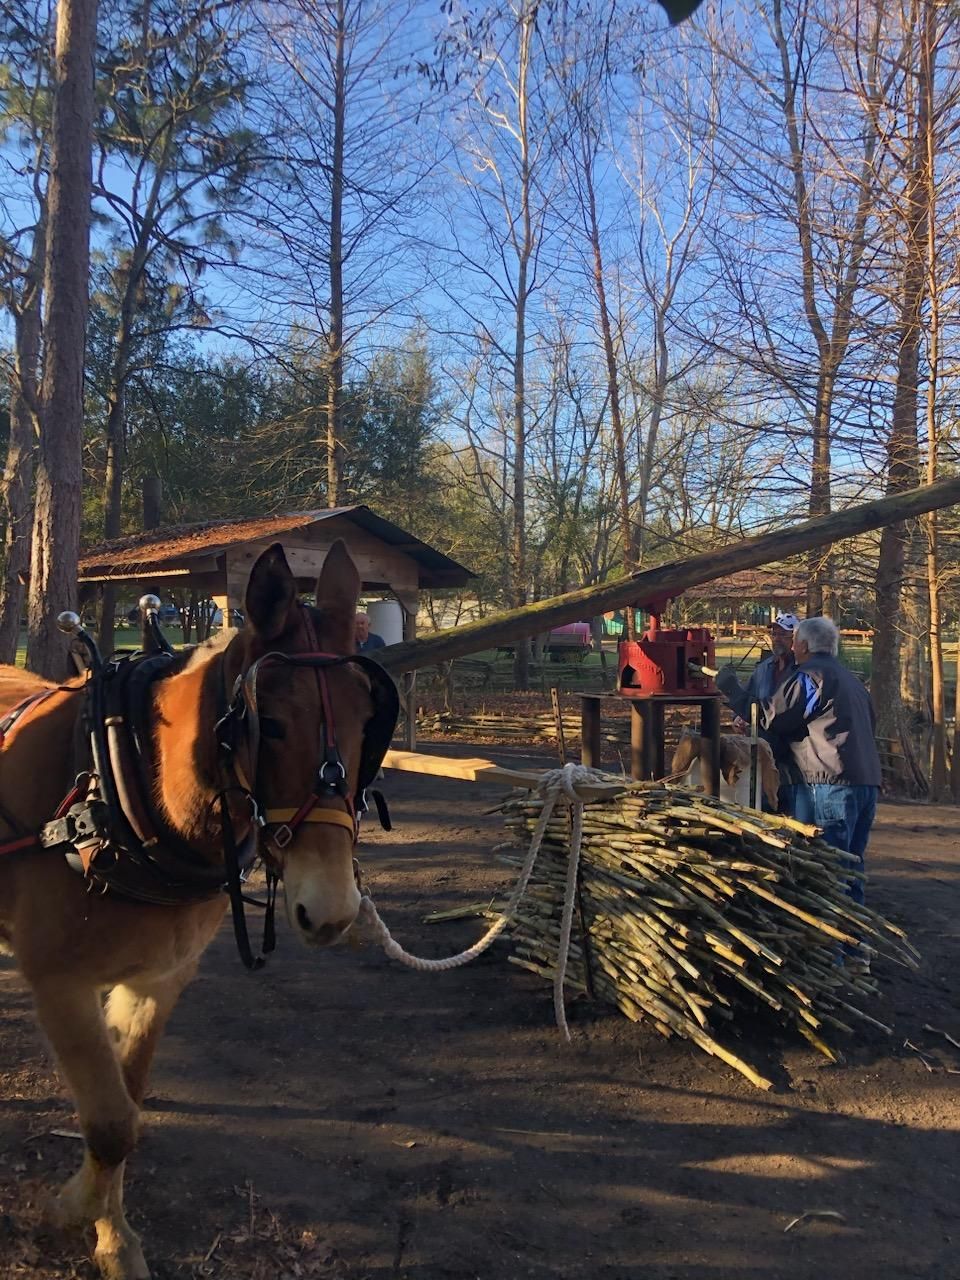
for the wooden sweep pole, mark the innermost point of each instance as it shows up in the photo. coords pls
(668, 579)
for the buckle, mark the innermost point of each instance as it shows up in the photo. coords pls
(258, 819)
(83, 823)
(332, 786)
(282, 836)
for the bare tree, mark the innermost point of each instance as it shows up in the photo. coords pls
(505, 166)
(799, 156)
(331, 217)
(24, 116)
(910, 215)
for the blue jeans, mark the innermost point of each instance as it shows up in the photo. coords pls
(845, 813)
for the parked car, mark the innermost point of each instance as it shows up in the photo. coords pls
(237, 618)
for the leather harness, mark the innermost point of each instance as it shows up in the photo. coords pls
(108, 825)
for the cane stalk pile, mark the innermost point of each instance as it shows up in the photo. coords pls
(692, 910)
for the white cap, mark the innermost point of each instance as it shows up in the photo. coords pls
(787, 621)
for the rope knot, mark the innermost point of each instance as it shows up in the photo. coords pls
(556, 784)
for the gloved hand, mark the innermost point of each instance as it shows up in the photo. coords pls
(727, 678)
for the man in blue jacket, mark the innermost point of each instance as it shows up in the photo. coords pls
(366, 639)
(766, 677)
(826, 715)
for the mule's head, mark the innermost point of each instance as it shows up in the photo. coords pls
(322, 898)
(687, 752)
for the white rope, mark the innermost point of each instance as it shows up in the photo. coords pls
(555, 785)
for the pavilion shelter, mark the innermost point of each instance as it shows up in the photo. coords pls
(211, 560)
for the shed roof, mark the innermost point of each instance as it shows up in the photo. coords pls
(175, 545)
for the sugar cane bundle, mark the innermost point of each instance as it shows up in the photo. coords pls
(690, 910)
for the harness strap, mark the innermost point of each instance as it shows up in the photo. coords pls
(292, 818)
(19, 711)
(231, 859)
(23, 842)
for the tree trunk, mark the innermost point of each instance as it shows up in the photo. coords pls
(521, 667)
(938, 719)
(334, 406)
(56, 530)
(902, 451)
(819, 592)
(914, 630)
(116, 444)
(955, 753)
(661, 364)
(628, 542)
(119, 374)
(21, 451)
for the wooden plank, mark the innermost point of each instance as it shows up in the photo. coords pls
(476, 769)
(669, 579)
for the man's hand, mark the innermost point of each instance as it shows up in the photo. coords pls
(727, 679)
(740, 725)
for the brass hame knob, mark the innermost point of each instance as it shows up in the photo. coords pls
(68, 622)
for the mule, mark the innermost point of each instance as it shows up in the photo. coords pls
(105, 969)
(734, 768)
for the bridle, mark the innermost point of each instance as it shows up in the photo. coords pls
(108, 826)
(239, 732)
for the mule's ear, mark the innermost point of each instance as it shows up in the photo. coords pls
(271, 593)
(338, 589)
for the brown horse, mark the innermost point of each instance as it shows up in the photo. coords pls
(73, 944)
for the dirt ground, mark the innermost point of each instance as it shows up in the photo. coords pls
(337, 1116)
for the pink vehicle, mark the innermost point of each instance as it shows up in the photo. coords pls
(573, 640)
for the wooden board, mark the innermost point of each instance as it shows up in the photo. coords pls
(478, 769)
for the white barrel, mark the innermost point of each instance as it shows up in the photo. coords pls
(386, 620)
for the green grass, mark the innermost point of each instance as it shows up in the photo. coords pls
(125, 637)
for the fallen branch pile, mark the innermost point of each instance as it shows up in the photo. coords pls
(692, 910)
(534, 728)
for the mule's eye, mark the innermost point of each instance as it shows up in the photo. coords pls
(271, 728)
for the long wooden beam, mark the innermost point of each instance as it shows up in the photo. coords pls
(668, 579)
(479, 769)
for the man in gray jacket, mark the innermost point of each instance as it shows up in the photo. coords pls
(827, 716)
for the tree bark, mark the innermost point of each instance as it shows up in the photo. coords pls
(670, 580)
(628, 542)
(518, 598)
(56, 531)
(902, 449)
(21, 450)
(938, 735)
